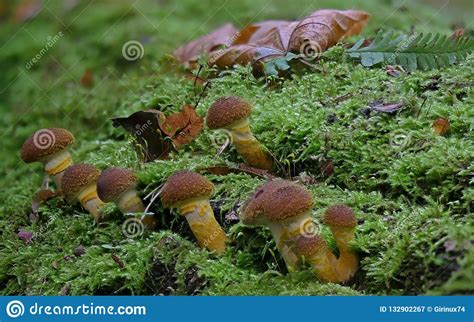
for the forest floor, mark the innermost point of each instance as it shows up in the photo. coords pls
(410, 188)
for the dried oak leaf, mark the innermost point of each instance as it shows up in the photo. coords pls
(188, 54)
(157, 135)
(263, 41)
(183, 127)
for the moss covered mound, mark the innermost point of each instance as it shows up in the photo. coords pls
(410, 188)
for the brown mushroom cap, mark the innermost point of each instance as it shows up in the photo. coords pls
(76, 178)
(183, 185)
(227, 110)
(340, 216)
(113, 182)
(287, 202)
(45, 142)
(253, 207)
(308, 245)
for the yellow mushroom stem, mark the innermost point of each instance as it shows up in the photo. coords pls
(130, 202)
(284, 246)
(323, 263)
(348, 261)
(291, 229)
(206, 229)
(248, 147)
(91, 202)
(56, 164)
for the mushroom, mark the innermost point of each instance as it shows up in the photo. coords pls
(118, 185)
(316, 252)
(232, 113)
(189, 192)
(79, 184)
(342, 222)
(50, 147)
(284, 207)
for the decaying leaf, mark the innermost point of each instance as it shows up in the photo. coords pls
(385, 107)
(87, 79)
(441, 126)
(189, 53)
(183, 127)
(261, 42)
(157, 135)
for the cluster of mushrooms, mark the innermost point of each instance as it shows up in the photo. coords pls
(281, 205)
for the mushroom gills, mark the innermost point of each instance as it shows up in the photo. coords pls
(206, 229)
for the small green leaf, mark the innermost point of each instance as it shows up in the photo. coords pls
(418, 51)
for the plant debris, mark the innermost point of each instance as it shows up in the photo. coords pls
(157, 134)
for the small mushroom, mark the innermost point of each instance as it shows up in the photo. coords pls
(285, 208)
(50, 147)
(189, 192)
(316, 252)
(79, 184)
(232, 113)
(118, 185)
(342, 222)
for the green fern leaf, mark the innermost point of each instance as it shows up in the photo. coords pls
(417, 51)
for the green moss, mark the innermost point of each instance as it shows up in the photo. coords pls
(411, 189)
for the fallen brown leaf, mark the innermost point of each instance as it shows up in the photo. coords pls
(188, 54)
(183, 127)
(157, 134)
(263, 41)
(441, 126)
(385, 107)
(87, 79)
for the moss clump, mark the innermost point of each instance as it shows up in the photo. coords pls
(409, 187)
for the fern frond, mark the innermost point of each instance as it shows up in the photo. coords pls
(418, 51)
